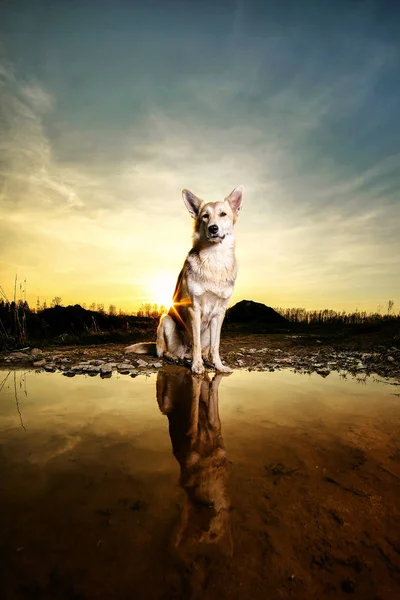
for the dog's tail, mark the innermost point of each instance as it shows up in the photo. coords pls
(142, 348)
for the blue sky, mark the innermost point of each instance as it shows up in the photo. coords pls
(109, 109)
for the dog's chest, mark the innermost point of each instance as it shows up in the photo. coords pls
(211, 282)
(212, 275)
(210, 306)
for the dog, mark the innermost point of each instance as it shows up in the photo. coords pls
(192, 327)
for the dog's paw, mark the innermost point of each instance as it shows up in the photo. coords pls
(222, 368)
(197, 368)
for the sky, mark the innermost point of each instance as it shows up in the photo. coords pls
(108, 109)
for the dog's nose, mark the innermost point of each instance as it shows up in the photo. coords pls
(213, 229)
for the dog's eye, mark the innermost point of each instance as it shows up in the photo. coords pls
(222, 214)
(205, 217)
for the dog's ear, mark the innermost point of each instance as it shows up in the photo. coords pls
(192, 202)
(235, 199)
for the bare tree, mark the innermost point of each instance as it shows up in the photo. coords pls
(56, 301)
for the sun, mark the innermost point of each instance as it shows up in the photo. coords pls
(162, 288)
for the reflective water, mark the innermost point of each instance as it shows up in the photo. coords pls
(261, 485)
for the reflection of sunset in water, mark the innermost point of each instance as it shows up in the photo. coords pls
(212, 484)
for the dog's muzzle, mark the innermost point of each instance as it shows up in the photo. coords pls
(213, 234)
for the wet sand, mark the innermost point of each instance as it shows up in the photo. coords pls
(257, 485)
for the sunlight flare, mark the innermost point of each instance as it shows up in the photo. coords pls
(161, 288)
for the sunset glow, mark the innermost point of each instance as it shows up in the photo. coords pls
(108, 112)
(161, 288)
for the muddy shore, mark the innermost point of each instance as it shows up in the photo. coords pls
(302, 354)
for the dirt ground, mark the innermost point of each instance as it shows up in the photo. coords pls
(261, 352)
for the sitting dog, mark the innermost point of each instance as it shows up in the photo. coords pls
(192, 327)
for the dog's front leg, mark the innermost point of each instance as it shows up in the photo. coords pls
(215, 330)
(195, 319)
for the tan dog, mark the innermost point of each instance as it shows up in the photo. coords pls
(192, 327)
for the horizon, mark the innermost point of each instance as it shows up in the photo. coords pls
(388, 309)
(110, 110)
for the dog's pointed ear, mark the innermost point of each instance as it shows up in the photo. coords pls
(192, 202)
(235, 198)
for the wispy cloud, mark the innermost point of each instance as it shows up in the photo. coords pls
(93, 162)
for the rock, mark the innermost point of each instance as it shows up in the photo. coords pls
(39, 363)
(36, 352)
(19, 356)
(78, 368)
(106, 369)
(124, 367)
(69, 373)
(50, 368)
(133, 375)
(157, 365)
(390, 358)
(141, 363)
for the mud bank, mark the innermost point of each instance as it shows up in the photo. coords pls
(249, 352)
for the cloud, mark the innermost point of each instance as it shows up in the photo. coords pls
(92, 172)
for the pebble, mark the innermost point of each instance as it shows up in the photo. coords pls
(36, 352)
(19, 355)
(124, 367)
(39, 363)
(141, 363)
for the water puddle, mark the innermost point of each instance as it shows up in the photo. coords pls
(261, 485)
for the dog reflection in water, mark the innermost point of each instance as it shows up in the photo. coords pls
(191, 404)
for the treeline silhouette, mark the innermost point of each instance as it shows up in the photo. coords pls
(333, 317)
(21, 324)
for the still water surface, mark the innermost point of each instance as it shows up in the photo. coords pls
(254, 485)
